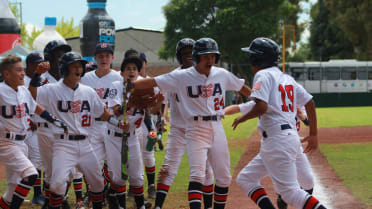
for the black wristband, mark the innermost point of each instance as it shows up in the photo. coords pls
(36, 80)
(306, 122)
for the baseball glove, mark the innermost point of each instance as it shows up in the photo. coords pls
(142, 98)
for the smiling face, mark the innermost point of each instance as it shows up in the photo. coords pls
(14, 75)
(75, 71)
(206, 61)
(104, 59)
(130, 71)
(186, 56)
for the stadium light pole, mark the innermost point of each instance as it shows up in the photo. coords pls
(294, 42)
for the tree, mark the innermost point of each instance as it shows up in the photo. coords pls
(355, 20)
(67, 28)
(327, 40)
(233, 24)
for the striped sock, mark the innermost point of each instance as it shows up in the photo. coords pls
(21, 191)
(313, 203)
(46, 194)
(139, 198)
(97, 198)
(259, 196)
(207, 196)
(195, 195)
(37, 184)
(150, 173)
(4, 204)
(78, 188)
(55, 201)
(120, 193)
(161, 194)
(220, 197)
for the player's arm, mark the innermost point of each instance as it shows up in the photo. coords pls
(312, 139)
(245, 90)
(232, 109)
(144, 83)
(50, 118)
(36, 80)
(114, 120)
(259, 108)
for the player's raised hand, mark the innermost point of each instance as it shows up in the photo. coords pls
(312, 143)
(124, 126)
(42, 67)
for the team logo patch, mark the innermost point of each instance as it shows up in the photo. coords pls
(257, 86)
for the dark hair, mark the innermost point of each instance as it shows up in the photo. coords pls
(8, 62)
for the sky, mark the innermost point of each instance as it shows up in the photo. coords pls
(146, 14)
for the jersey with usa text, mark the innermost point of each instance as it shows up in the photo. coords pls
(134, 116)
(101, 84)
(77, 108)
(281, 93)
(176, 118)
(201, 95)
(16, 108)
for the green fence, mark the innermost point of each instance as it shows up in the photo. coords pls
(343, 99)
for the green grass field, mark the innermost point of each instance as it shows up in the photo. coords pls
(340, 156)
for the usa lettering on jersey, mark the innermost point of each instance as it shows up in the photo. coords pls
(16, 111)
(204, 91)
(103, 93)
(73, 106)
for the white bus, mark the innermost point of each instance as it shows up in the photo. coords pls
(334, 76)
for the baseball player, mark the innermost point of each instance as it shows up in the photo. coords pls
(143, 132)
(176, 144)
(101, 80)
(53, 51)
(129, 69)
(32, 60)
(16, 106)
(78, 105)
(201, 89)
(277, 96)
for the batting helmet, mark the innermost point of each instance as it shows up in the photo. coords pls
(205, 46)
(264, 52)
(55, 45)
(69, 58)
(183, 43)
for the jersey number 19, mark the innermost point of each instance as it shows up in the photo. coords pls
(286, 92)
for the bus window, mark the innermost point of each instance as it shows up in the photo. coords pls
(331, 73)
(369, 73)
(348, 74)
(298, 74)
(362, 74)
(314, 73)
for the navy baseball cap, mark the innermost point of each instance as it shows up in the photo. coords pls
(100, 47)
(34, 57)
(142, 56)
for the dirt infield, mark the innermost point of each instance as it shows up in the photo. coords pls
(335, 194)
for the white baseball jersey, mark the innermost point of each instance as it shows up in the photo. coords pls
(101, 84)
(176, 117)
(246, 107)
(282, 103)
(76, 107)
(200, 95)
(48, 78)
(27, 81)
(134, 116)
(16, 107)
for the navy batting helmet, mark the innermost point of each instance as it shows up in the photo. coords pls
(69, 58)
(205, 46)
(264, 52)
(55, 45)
(183, 43)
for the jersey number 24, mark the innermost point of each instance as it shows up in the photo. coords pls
(286, 92)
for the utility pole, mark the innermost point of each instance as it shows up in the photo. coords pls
(294, 41)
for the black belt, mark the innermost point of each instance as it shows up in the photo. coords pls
(17, 137)
(74, 137)
(98, 119)
(282, 127)
(45, 125)
(207, 118)
(116, 134)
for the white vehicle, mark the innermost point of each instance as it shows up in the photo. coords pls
(334, 76)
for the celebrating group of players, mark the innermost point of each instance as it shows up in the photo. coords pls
(72, 122)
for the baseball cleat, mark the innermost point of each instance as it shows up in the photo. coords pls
(38, 200)
(151, 191)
